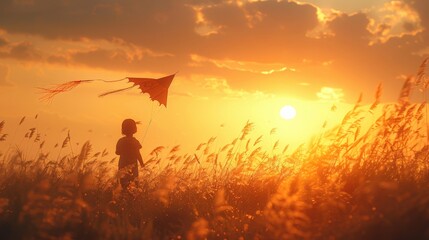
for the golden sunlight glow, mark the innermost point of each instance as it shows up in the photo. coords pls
(288, 112)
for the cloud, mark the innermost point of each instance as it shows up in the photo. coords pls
(119, 59)
(22, 51)
(221, 87)
(341, 26)
(330, 94)
(165, 25)
(347, 6)
(245, 30)
(395, 18)
(3, 42)
(421, 7)
(251, 67)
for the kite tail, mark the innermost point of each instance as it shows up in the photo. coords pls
(49, 93)
(115, 91)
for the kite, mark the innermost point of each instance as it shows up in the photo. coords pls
(157, 88)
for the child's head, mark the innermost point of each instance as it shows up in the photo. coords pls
(129, 127)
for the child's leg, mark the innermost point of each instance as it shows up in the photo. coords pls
(135, 174)
(125, 181)
(125, 177)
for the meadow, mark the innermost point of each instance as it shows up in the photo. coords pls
(367, 178)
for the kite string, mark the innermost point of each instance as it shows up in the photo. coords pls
(152, 114)
(148, 125)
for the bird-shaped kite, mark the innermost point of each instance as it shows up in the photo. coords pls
(156, 88)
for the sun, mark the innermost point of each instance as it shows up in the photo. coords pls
(288, 112)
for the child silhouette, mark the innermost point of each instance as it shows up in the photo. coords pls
(128, 148)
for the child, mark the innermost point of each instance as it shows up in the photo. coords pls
(128, 148)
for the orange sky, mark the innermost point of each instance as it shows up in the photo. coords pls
(237, 61)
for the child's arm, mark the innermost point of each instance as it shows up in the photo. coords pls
(118, 151)
(139, 157)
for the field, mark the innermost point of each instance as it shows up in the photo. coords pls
(367, 178)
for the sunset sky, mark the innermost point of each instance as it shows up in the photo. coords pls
(236, 61)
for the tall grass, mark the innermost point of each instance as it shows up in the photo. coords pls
(367, 178)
